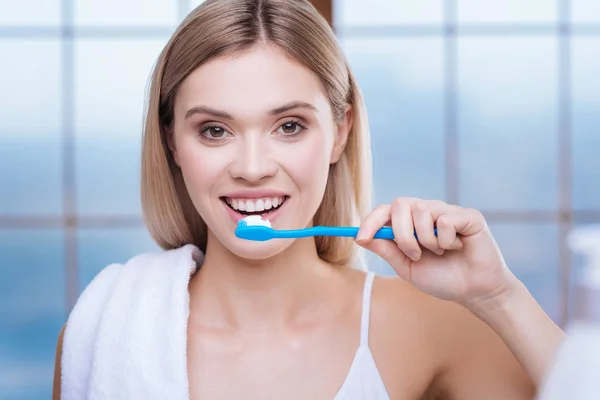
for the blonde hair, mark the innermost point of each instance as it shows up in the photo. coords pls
(219, 28)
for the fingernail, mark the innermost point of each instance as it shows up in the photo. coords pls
(413, 255)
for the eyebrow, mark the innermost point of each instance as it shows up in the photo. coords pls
(291, 106)
(276, 111)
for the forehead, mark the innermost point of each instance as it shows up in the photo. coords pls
(254, 80)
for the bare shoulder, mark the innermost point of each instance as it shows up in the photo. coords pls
(57, 365)
(439, 345)
(403, 337)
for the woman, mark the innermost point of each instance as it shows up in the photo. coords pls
(253, 109)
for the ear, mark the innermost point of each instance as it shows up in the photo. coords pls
(171, 143)
(343, 130)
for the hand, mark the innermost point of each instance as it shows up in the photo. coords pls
(462, 264)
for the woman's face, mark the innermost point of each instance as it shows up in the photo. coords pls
(255, 134)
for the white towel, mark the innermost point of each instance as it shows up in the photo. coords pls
(126, 337)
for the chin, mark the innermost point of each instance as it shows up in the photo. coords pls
(250, 250)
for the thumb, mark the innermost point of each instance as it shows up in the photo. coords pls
(391, 253)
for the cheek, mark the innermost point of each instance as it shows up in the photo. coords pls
(201, 168)
(308, 164)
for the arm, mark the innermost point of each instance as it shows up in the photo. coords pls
(475, 362)
(524, 327)
(57, 362)
(499, 350)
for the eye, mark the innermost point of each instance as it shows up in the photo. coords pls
(214, 132)
(290, 128)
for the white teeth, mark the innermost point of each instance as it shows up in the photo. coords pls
(255, 205)
(260, 205)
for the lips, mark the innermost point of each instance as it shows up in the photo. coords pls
(268, 203)
(255, 205)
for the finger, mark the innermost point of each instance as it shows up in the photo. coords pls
(470, 222)
(404, 229)
(376, 219)
(466, 222)
(390, 253)
(446, 229)
(423, 218)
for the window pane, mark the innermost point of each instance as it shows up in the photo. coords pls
(387, 12)
(100, 247)
(126, 12)
(402, 81)
(18, 12)
(507, 123)
(30, 127)
(531, 253)
(586, 122)
(585, 11)
(110, 81)
(32, 310)
(507, 11)
(195, 3)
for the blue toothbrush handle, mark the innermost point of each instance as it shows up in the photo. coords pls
(387, 233)
(383, 233)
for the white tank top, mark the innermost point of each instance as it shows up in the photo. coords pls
(363, 381)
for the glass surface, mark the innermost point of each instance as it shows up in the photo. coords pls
(32, 310)
(387, 12)
(586, 122)
(531, 252)
(403, 85)
(99, 248)
(507, 11)
(110, 83)
(585, 11)
(126, 12)
(21, 13)
(195, 3)
(507, 123)
(30, 127)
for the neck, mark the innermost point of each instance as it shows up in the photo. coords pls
(230, 292)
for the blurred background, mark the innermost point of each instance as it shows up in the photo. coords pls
(483, 103)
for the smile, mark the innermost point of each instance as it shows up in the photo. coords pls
(258, 206)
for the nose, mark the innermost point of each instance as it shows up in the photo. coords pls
(254, 161)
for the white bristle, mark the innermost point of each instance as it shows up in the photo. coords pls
(254, 220)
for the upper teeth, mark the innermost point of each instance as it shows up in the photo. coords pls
(254, 205)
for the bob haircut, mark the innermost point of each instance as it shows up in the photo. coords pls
(220, 28)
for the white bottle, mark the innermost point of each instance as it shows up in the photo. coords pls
(575, 373)
(586, 291)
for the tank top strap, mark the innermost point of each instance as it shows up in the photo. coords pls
(366, 309)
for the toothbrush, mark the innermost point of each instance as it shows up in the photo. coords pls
(253, 227)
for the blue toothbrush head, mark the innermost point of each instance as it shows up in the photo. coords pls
(253, 227)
